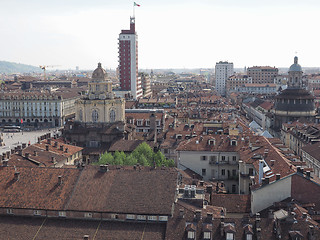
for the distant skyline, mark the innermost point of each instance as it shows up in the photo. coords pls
(171, 34)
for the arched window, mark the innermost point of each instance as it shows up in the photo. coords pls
(80, 115)
(95, 116)
(112, 115)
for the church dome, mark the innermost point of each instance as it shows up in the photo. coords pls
(294, 100)
(99, 72)
(295, 67)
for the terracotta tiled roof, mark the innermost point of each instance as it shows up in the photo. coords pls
(125, 190)
(313, 150)
(200, 143)
(13, 227)
(125, 145)
(36, 188)
(234, 203)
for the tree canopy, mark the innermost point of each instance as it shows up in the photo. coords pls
(143, 155)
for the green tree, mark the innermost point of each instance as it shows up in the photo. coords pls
(144, 150)
(119, 158)
(159, 159)
(142, 160)
(143, 154)
(106, 158)
(130, 160)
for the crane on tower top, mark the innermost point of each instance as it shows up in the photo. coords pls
(44, 67)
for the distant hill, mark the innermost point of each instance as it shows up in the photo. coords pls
(10, 67)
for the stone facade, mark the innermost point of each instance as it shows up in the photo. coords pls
(100, 105)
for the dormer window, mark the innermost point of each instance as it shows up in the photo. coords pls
(139, 122)
(191, 235)
(207, 235)
(229, 236)
(211, 142)
(233, 143)
(249, 236)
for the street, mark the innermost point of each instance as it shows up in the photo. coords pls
(13, 139)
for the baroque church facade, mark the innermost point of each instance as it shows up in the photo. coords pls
(99, 118)
(100, 105)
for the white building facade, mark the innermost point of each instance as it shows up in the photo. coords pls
(223, 71)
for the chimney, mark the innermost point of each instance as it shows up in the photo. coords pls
(308, 174)
(20, 152)
(198, 215)
(85, 237)
(5, 162)
(278, 176)
(261, 163)
(8, 154)
(24, 145)
(47, 147)
(258, 219)
(60, 180)
(201, 183)
(152, 119)
(67, 150)
(209, 189)
(16, 176)
(49, 141)
(267, 180)
(104, 168)
(209, 216)
(39, 140)
(222, 226)
(26, 155)
(55, 144)
(12, 151)
(35, 153)
(181, 213)
(311, 232)
(53, 159)
(272, 162)
(61, 147)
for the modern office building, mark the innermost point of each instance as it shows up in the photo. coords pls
(223, 71)
(128, 61)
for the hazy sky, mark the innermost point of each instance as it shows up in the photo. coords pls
(172, 33)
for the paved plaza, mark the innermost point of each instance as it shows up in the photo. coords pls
(14, 139)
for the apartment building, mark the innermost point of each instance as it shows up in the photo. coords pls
(38, 108)
(223, 70)
(262, 74)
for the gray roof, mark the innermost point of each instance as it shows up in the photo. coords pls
(295, 68)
